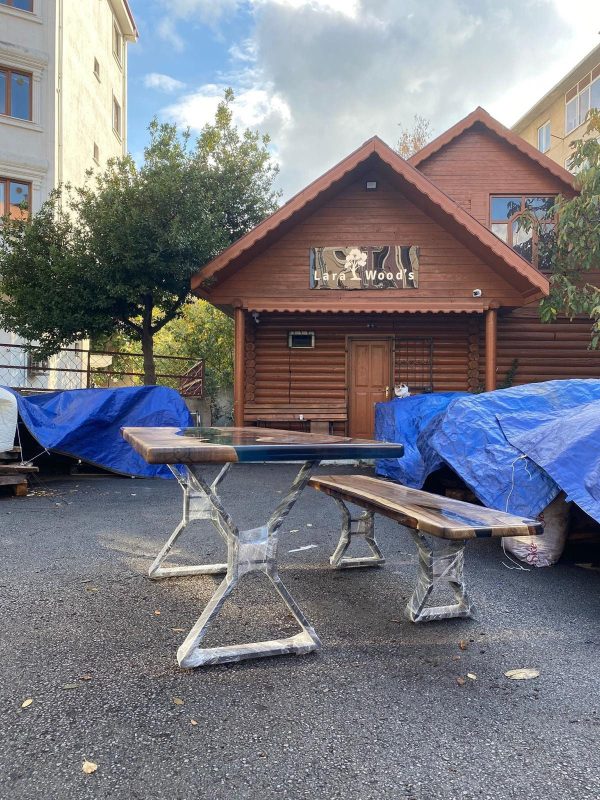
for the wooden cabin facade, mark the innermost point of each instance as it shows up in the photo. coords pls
(384, 272)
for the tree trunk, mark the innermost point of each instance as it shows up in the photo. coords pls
(148, 350)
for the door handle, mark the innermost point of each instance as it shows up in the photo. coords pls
(387, 392)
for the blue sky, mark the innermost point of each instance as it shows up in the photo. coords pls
(321, 76)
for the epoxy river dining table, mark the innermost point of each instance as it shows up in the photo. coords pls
(187, 452)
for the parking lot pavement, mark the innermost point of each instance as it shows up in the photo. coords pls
(378, 713)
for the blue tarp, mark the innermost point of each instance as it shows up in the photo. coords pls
(566, 445)
(86, 423)
(516, 448)
(403, 420)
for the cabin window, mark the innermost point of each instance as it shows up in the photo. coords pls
(526, 223)
(544, 137)
(302, 340)
(14, 198)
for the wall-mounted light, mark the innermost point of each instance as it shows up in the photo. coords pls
(371, 186)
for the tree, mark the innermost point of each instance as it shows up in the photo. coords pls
(202, 331)
(413, 139)
(576, 246)
(116, 255)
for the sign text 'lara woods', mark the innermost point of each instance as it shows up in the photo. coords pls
(387, 266)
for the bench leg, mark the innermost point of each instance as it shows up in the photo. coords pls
(196, 506)
(362, 525)
(441, 567)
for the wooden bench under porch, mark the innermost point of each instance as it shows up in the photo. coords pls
(425, 515)
(320, 417)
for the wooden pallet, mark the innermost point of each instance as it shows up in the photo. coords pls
(13, 473)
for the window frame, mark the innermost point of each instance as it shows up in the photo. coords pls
(584, 86)
(97, 69)
(117, 130)
(522, 210)
(9, 72)
(539, 130)
(11, 4)
(117, 42)
(6, 181)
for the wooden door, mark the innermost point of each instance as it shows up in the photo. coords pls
(370, 382)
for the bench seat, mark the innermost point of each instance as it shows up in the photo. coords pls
(424, 514)
(319, 416)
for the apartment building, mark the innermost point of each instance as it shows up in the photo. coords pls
(559, 117)
(63, 109)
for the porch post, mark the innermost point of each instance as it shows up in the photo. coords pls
(491, 324)
(239, 371)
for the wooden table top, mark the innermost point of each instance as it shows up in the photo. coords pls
(425, 512)
(222, 445)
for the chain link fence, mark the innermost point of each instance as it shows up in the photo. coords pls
(82, 368)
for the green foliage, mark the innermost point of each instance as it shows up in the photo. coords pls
(576, 248)
(511, 374)
(116, 255)
(202, 331)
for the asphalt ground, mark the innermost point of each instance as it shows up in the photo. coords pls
(378, 713)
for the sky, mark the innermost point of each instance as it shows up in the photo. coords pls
(322, 76)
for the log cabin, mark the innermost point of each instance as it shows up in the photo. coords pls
(384, 272)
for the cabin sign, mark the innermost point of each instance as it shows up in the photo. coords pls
(387, 266)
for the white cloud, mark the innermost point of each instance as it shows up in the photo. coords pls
(167, 30)
(164, 83)
(255, 108)
(209, 12)
(321, 76)
(348, 8)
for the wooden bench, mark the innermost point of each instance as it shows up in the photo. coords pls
(320, 416)
(424, 514)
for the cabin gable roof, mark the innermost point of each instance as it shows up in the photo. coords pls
(480, 117)
(530, 283)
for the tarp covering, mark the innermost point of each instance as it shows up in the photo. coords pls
(403, 420)
(515, 448)
(566, 445)
(86, 423)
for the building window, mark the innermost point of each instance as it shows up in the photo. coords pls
(23, 5)
(15, 198)
(97, 68)
(116, 117)
(526, 223)
(15, 93)
(544, 137)
(96, 153)
(117, 42)
(581, 98)
(36, 365)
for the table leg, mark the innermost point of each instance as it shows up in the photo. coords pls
(253, 550)
(445, 567)
(196, 506)
(361, 525)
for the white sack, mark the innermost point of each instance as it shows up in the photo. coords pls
(544, 550)
(8, 419)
